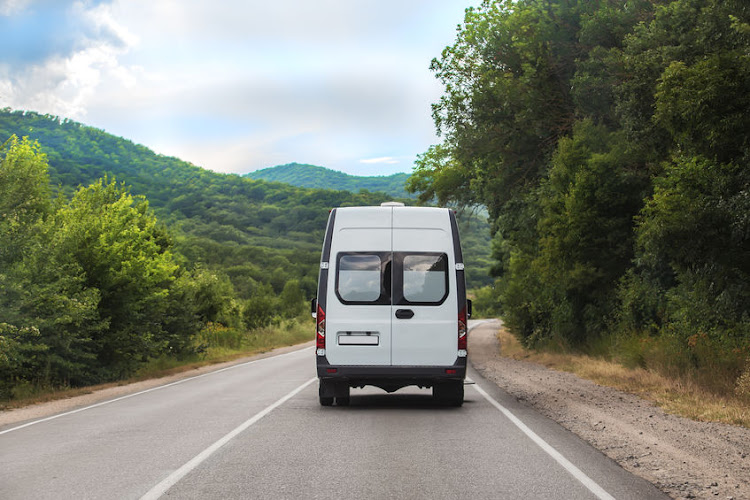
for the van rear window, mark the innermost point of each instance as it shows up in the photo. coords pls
(419, 278)
(359, 278)
(425, 278)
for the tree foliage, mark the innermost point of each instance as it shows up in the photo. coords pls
(24, 193)
(91, 288)
(609, 141)
(243, 228)
(123, 253)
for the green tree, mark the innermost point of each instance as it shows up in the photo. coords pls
(509, 101)
(692, 276)
(262, 309)
(55, 299)
(42, 292)
(24, 194)
(18, 349)
(124, 254)
(291, 300)
(588, 202)
(609, 142)
(697, 224)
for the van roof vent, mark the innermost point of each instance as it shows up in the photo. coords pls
(391, 204)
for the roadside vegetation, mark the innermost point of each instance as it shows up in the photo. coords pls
(610, 142)
(93, 288)
(677, 395)
(217, 344)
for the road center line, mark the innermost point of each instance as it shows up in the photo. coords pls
(161, 488)
(559, 458)
(159, 387)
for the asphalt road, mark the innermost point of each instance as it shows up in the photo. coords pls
(256, 430)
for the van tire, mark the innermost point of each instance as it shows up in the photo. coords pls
(449, 393)
(325, 393)
(342, 394)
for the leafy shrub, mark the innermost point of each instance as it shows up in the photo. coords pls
(18, 347)
(262, 309)
(485, 303)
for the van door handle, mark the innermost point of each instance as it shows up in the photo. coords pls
(404, 313)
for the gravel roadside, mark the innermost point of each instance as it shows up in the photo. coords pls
(684, 458)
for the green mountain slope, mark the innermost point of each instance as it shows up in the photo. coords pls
(312, 176)
(474, 229)
(254, 231)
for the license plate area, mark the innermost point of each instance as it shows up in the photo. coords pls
(358, 338)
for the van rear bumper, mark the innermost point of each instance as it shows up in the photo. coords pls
(391, 378)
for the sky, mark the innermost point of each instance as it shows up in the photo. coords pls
(237, 85)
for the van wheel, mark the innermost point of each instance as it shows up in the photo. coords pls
(326, 401)
(325, 393)
(342, 395)
(449, 393)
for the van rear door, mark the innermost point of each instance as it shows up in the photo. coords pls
(424, 310)
(359, 312)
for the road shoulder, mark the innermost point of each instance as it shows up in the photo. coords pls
(684, 458)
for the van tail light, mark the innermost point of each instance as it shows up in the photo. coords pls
(462, 331)
(320, 332)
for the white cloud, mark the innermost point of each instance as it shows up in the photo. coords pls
(102, 27)
(385, 159)
(10, 7)
(61, 79)
(241, 85)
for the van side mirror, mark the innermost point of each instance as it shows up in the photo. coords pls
(468, 308)
(314, 307)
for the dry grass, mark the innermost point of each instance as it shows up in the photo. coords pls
(679, 397)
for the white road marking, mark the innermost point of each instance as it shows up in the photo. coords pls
(147, 391)
(589, 483)
(161, 488)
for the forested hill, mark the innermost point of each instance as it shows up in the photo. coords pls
(253, 231)
(312, 176)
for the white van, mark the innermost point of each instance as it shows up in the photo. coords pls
(391, 309)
